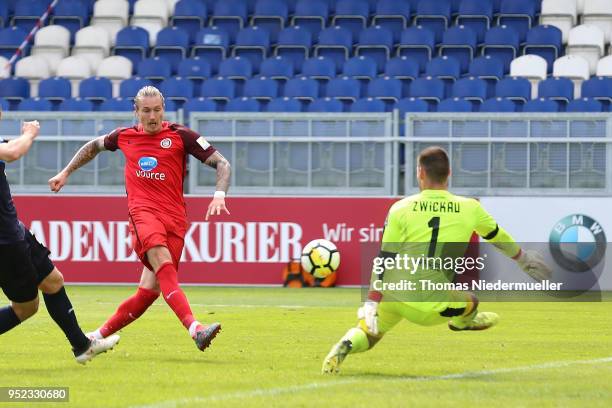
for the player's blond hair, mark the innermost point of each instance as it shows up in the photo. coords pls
(147, 91)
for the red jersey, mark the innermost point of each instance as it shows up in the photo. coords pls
(156, 165)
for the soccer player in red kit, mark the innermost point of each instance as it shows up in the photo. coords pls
(156, 162)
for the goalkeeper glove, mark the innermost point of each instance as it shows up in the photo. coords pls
(369, 312)
(532, 263)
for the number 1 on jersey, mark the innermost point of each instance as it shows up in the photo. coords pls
(434, 224)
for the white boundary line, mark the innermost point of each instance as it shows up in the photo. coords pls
(270, 392)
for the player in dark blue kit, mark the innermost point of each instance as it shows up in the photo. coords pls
(25, 266)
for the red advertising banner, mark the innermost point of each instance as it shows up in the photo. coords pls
(89, 236)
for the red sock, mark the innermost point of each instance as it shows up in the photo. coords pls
(167, 276)
(128, 311)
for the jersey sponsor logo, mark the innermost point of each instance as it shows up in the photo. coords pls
(147, 163)
(166, 143)
(577, 243)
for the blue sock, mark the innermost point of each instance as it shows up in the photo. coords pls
(60, 309)
(8, 319)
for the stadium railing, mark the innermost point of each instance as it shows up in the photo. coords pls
(516, 153)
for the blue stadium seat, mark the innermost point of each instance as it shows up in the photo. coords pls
(312, 15)
(460, 43)
(362, 68)
(387, 89)
(284, 104)
(252, 43)
(219, 88)
(471, 89)
(407, 105)
(4, 14)
(557, 89)
(477, 15)
(117, 105)
(325, 105)
(177, 89)
(172, 45)
(377, 43)
(352, 15)
(230, 16)
(345, 89)
(403, 68)
(55, 89)
(4, 104)
(518, 14)
(335, 43)
(76, 105)
(72, 14)
(14, 90)
(236, 68)
(294, 44)
(584, 105)
(599, 88)
(211, 44)
(199, 105)
(320, 68)
(35, 105)
(417, 43)
(262, 88)
(454, 105)
(545, 41)
(278, 68)
(10, 40)
(434, 15)
(271, 15)
(394, 15)
(195, 69)
(429, 89)
(541, 105)
(488, 68)
(497, 105)
(27, 13)
(96, 90)
(445, 68)
(133, 43)
(190, 16)
(514, 88)
(154, 69)
(302, 88)
(170, 106)
(368, 105)
(243, 104)
(501, 43)
(130, 87)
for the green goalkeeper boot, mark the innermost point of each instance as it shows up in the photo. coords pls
(331, 364)
(482, 321)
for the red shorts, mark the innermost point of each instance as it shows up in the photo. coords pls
(149, 229)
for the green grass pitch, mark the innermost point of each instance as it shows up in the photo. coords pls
(274, 340)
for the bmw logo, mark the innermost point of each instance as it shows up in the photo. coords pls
(577, 243)
(147, 163)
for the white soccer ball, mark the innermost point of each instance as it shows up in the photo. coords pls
(320, 258)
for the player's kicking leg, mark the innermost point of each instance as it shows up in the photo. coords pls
(131, 308)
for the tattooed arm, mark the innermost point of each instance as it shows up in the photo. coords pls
(220, 163)
(82, 157)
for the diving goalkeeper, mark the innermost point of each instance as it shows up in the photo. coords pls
(429, 220)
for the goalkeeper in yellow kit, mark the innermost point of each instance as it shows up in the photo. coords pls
(429, 220)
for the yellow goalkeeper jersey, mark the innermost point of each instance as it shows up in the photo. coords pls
(438, 216)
